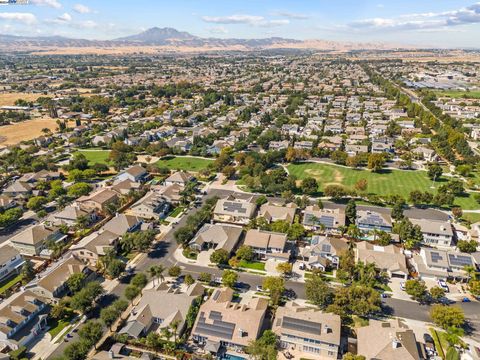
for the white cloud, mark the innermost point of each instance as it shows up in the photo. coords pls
(50, 3)
(253, 20)
(218, 30)
(290, 15)
(422, 21)
(64, 18)
(26, 18)
(82, 9)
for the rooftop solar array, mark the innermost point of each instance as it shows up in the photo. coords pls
(301, 325)
(218, 328)
(459, 260)
(326, 248)
(328, 221)
(435, 256)
(373, 219)
(234, 207)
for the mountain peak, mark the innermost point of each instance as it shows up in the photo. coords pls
(159, 36)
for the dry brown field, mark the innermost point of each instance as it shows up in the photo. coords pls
(27, 130)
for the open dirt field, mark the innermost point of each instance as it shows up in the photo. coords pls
(8, 99)
(26, 130)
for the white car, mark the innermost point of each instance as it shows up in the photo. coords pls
(402, 286)
(442, 283)
(259, 288)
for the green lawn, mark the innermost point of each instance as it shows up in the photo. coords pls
(176, 211)
(472, 217)
(254, 265)
(184, 163)
(459, 94)
(96, 156)
(9, 282)
(467, 202)
(384, 183)
(56, 326)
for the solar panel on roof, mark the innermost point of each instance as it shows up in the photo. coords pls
(234, 207)
(218, 328)
(301, 325)
(215, 315)
(435, 256)
(328, 221)
(459, 260)
(326, 248)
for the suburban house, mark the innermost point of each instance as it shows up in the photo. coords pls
(52, 283)
(234, 210)
(307, 332)
(387, 258)
(267, 244)
(22, 311)
(70, 215)
(99, 200)
(135, 173)
(18, 189)
(151, 206)
(216, 236)
(368, 220)
(315, 218)
(222, 323)
(11, 261)
(442, 264)
(436, 233)
(273, 212)
(33, 240)
(122, 223)
(94, 246)
(159, 308)
(323, 249)
(171, 193)
(384, 340)
(181, 178)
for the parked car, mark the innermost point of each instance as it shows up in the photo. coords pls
(290, 294)
(259, 288)
(466, 300)
(402, 286)
(443, 284)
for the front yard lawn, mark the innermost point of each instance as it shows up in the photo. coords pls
(10, 282)
(96, 156)
(56, 326)
(254, 265)
(175, 212)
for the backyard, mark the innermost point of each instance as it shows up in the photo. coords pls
(96, 156)
(10, 282)
(186, 163)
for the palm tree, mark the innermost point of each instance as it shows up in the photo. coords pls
(471, 271)
(174, 328)
(156, 272)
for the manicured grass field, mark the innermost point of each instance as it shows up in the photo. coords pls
(176, 211)
(383, 183)
(9, 282)
(184, 163)
(255, 265)
(96, 156)
(459, 94)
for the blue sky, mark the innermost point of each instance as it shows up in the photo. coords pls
(436, 23)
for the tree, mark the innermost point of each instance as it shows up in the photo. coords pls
(264, 348)
(229, 278)
(156, 272)
(91, 332)
(467, 246)
(457, 212)
(434, 171)
(296, 231)
(175, 271)
(447, 316)
(205, 277)
(309, 186)
(75, 282)
(115, 267)
(108, 316)
(452, 354)
(131, 292)
(77, 350)
(139, 280)
(276, 286)
(351, 211)
(361, 185)
(189, 280)
(416, 289)
(384, 238)
(474, 287)
(59, 310)
(350, 356)
(83, 299)
(354, 232)
(79, 189)
(318, 291)
(245, 252)
(36, 203)
(436, 293)
(27, 271)
(376, 161)
(220, 257)
(336, 192)
(285, 268)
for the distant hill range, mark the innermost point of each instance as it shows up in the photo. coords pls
(174, 40)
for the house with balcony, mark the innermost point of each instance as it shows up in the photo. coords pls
(267, 244)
